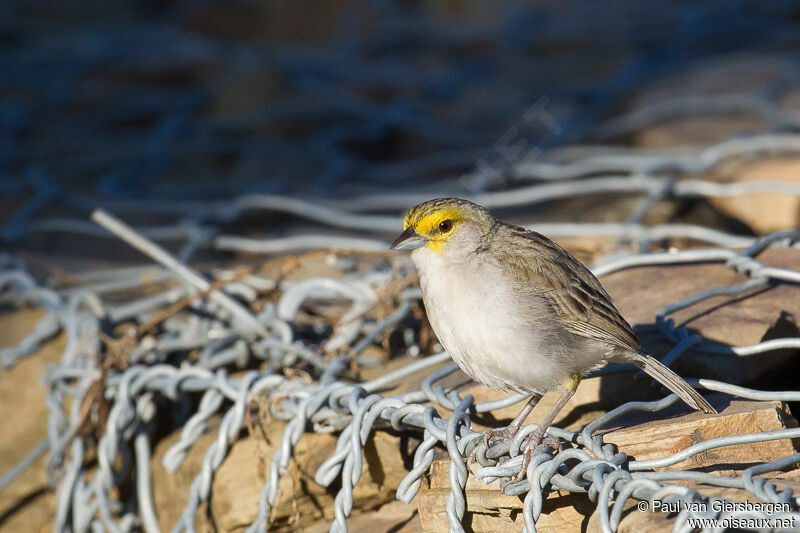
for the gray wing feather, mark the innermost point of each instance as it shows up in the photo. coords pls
(573, 291)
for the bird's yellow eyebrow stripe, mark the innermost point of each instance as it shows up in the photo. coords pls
(424, 225)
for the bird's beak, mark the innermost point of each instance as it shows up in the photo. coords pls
(408, 240)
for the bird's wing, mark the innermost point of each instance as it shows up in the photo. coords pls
(546, 269)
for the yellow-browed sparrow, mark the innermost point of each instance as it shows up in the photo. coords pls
(516, 311)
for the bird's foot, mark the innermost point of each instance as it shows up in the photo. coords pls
(507, 432)
(536, 438)
(489, 435)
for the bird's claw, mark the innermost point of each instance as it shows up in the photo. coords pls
(498, 433)
(534, 440)
(488, 436)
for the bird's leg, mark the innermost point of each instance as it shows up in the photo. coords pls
(510, 430)
(538, 434)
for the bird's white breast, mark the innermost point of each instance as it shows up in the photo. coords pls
(493, 335)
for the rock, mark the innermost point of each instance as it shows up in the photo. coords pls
(764, 213)
(396, 516)
(700, 129)
(302, 502)
(651, 435)
(735, 74)
(737, 320)
(237, 484)
(739, 78)
(488, 509)
(27, 503)
(282, 22)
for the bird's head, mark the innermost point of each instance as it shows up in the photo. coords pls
(447, 226)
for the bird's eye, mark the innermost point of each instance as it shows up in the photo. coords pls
(445, 225)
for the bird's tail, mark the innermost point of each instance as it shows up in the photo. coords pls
(661, 373)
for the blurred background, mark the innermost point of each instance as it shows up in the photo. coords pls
(199, 116)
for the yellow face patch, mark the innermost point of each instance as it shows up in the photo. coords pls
(430, 223)
(428, 226)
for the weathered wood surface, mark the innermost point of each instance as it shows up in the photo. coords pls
(302, 502)
(27, 503)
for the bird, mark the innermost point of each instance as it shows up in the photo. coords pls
(517, 312)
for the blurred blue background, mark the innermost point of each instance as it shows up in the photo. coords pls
(147, 106)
